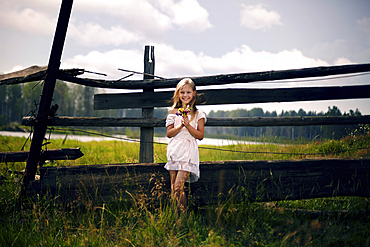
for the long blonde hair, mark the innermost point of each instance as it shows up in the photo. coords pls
(176, 102)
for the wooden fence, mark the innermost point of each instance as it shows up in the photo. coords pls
(148, 99)
(260, 180)
(221, 177)
(220, 181)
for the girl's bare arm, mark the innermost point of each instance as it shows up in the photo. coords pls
(172, 131)
(197, 133)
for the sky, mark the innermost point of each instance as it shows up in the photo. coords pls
(197, 38)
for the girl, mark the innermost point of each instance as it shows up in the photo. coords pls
(185, 124)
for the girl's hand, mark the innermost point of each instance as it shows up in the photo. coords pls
(185, 121)
(172, 130)
(197, 133)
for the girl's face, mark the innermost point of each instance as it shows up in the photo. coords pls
(186, 94)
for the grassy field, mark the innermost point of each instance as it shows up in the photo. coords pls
(130, 221)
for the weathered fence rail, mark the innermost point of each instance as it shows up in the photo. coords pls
(35, 73)
(230, 122)
(221, 79)
(51, 154)
(232, 96)
(235, 180)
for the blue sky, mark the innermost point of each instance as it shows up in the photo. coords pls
(195, 38)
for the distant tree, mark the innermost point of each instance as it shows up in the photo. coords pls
(62, 98)
(256, 112)
(333, 111)
(31, 96)
(3, 104)
(309, 132)
(301, 113)
(14, 101)
(77, 100)
(356, 113)
(88, 100)
(334, 131)
(160, 112)
(212, 113)
(270, 114)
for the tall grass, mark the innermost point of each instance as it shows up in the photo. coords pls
(114, 152)
(131, 220)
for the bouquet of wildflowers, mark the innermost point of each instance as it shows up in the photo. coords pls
(183, 111)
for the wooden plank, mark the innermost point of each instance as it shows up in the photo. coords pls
(231, 122)
(51, 154)
(32, 73)
(222, 78)
(288, 121)
(233, 96)
(239, 180)
(97, 121)
(62, 154)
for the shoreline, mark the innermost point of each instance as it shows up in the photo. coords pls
(84, 138)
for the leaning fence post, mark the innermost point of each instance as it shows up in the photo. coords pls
(147, 133)
(47, 93)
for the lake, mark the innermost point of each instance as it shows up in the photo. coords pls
(84, 138)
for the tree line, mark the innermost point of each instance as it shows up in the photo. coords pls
(73, 100)
(289, 132)
(17, 101)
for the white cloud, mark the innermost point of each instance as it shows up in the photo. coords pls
(136, 14)
(169, 62)
(26, 19)
(89, 34)
(177, 63)
(112, 22)
(257, 17)
(14, 68)
(107, 62)
(187, 14)
(342, 61)
(244, 59)
(174, 63)
(364, 25)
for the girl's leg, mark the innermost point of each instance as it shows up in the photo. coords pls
(173, 175)
(179, 192)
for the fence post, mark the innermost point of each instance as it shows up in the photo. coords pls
(147, 133)
(47, 93)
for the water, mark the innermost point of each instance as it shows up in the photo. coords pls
(83, 138)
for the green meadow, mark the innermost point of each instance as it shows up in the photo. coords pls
(131, 221)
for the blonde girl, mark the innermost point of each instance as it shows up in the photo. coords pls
(185, 124)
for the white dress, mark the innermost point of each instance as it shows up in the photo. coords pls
(182, 149)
